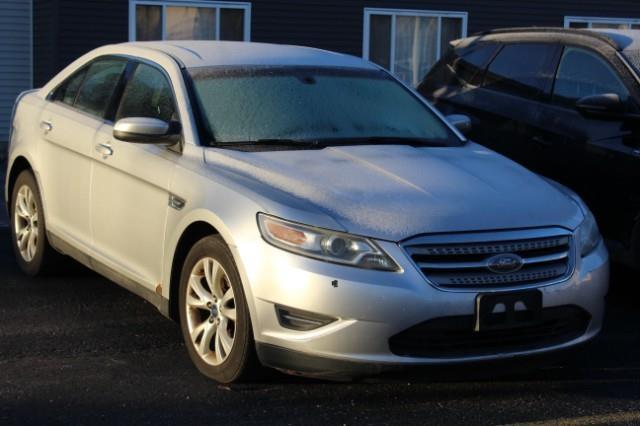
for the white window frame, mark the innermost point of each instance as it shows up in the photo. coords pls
(394, 13)
(245, 6)
(590, 20)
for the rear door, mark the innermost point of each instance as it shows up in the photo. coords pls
(69, 123)
(515, 85)
(502, 88)
(130, 182)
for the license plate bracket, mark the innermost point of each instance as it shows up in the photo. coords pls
(499, 311)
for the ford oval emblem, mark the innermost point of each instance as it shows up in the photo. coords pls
(505, 263)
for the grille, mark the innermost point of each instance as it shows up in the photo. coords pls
(454, 336)
(469, 265)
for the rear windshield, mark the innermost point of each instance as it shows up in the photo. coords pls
(302, 103)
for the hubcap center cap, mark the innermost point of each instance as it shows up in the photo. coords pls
(214, 311)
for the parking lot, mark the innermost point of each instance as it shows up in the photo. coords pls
(78, 349)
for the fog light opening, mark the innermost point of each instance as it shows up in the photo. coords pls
(295, 319)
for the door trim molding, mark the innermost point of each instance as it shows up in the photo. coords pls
(111, 274)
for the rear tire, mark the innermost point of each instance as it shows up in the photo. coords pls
(34, 254)
(214, 317)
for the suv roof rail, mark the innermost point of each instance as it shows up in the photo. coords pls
(559, 30)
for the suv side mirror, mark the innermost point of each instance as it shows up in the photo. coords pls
(147, 130)
(603, 106)
(460, 122)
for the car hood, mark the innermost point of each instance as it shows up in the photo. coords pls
(395, 192)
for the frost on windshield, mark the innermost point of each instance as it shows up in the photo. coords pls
(312, 106)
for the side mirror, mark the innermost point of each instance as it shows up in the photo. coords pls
(460, 122)
(147, 130)
(603, 106)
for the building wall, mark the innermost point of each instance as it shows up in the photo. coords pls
(15, 56)
(81, 25)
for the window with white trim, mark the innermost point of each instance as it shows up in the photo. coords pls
(409, 42)
(606, 23)
(189, 20)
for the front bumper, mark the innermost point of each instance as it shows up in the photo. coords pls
(373, 306)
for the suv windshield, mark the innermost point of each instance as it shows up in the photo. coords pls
(299, 105)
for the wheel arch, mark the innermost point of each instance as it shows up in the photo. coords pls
(18, 165)
(192, 234)
(194, 226)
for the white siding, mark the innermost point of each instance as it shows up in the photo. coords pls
(15, 56)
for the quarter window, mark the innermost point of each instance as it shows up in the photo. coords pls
(166, 20)
(522, 69)
(469, 64)
(99, 85)
(148, 94)
(409, 42)
(582, 73)
(67, 91)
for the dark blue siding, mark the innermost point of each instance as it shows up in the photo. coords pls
(65, 29)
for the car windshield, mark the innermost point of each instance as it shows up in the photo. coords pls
(302, 104)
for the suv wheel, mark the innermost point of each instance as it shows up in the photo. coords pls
(32, 250)
(214, 317)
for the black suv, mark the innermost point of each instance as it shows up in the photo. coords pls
(565, 104)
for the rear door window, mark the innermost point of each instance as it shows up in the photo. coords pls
(522, 69)
(583, 73)
(99, 86)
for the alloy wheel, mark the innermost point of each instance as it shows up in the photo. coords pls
(26, 223)
(211, 311)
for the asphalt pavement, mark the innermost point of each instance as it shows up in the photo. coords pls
(77, 349)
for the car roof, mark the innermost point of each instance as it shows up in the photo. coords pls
(601, 38)
(624, 39)
(199, 53)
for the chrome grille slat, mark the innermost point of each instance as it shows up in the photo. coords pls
(483, 264)
(462, 265)
(488, 248)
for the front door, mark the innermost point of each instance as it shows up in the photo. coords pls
(130, 184)
(595, 157)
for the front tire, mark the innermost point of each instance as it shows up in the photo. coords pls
(214, 317)
(28, 231)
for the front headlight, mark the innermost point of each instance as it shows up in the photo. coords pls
(323, 244)
(588, 233)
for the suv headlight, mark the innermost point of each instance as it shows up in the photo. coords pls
(588, 233)
(323, 244)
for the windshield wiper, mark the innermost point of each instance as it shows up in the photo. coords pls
(274, 142)
(284, 143)
(383, 140)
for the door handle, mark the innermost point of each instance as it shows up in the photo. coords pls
(46, 126)
(104, 150)
(541, 141)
